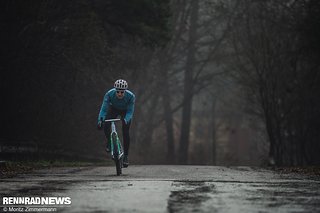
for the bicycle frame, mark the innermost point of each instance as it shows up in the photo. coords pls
(116, 152)
(114, 135)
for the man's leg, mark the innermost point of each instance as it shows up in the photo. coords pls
(126, 142)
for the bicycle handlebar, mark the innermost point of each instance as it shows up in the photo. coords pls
(112, 120)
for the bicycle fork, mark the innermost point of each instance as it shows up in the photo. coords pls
(114, 136)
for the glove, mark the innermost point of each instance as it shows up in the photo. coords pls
(125, 121)
(100, 124)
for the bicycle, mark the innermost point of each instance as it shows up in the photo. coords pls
(116, 150)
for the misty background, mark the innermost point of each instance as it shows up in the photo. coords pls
(233, 82)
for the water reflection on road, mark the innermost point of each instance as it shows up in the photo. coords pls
(171, 189)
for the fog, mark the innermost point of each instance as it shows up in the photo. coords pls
(216, 82)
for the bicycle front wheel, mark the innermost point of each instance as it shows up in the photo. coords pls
(116, 159)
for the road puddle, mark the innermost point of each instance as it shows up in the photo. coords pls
(189, 195)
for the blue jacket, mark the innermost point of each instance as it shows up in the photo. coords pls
(126, 103)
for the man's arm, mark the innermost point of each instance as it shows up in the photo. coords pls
(130, 110)
(104, 107)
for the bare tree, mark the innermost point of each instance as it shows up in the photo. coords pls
(272, 70)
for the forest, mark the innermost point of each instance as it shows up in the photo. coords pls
(216, 82)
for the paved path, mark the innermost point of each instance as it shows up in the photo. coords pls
(170, 189)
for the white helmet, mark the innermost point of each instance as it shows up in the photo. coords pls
(121, 84)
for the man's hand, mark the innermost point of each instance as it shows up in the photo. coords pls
(99, 125)
(125, 121)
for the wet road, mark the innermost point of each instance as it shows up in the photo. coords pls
(170, 189)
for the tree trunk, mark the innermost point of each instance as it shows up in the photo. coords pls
(214, 136)
(188, 85)
(166, 100)
(148, 132)
(169, 128)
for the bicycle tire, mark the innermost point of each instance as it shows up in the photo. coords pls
(116, 159)
(118, 167)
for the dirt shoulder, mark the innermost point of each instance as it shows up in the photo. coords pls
(309, 170)
(9, 169)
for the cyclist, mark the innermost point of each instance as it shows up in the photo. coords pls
(118, 101)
